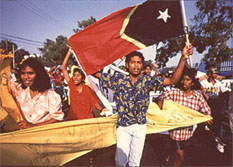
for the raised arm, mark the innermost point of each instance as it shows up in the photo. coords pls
(25, 124)
(52, 69)
(64, 65)
(187, 50)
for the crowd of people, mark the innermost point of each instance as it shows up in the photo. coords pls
(41, 96)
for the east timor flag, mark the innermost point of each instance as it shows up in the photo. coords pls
(124, 31)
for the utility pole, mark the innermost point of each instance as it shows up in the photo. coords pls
(6, 44)
(13, 50)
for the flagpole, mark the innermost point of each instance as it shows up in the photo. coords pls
(186, 29)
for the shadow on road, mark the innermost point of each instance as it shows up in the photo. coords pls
(202, 151)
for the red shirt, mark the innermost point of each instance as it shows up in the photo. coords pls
(195, 102)
(81, 104)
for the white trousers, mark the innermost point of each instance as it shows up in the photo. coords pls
(130, 144)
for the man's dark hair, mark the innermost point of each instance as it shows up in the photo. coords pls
(147, 65)
(132, 54)
(212, 70)
(191, 72)
(42, 80)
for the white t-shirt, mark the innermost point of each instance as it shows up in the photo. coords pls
(210, 88)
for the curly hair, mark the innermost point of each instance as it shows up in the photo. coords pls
(42, 80)
(191, 72)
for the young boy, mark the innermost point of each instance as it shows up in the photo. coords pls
(82, 97)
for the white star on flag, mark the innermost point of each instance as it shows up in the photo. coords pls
(164, 15)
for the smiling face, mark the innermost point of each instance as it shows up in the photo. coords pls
(135, 66)
(28, 76)
(77, 78)
(186, 82)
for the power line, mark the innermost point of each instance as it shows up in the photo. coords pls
(46, 14)
(29, 40)
(41, 14)
(21, 41)
(37, 13)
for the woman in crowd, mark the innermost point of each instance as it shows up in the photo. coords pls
(38, 103)
(82, 98)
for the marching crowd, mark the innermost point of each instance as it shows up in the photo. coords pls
(42, 96)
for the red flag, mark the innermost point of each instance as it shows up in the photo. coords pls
(124, 31)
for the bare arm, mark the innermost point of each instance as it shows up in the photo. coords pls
(48, 122)
(176, 76)
(52, 69)
(25, 124)
(64, 65)
(103, 111)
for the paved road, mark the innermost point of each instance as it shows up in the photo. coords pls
(202, 151)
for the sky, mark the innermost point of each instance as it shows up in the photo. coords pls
(38, 20)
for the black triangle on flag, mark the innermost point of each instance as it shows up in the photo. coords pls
(154, 21)
(125, 31)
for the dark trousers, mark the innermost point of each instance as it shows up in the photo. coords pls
(218, 107)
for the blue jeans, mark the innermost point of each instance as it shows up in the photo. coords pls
(130, 144)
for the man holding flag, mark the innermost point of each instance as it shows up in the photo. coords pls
(132, 99)
(119, 34)
(125, 31)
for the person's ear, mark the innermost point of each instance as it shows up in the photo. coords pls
(127, 66)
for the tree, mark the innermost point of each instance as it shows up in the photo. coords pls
(19, 55)
(54, 52)
(84, 24)
(209, 34)
(212, 29)
(169, 49)
(8, 47)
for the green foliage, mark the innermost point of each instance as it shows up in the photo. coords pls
(210, 34)
(19, 55)
(54, 52)
(8, 47)
(169, 49)
(84, 24)
(212, 30)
